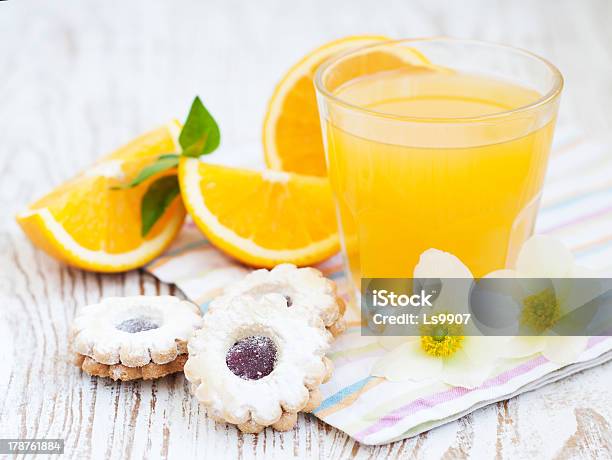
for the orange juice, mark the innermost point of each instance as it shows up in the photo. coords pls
(437, 159)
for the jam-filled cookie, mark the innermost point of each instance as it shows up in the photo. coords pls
(256, 363)
(302, 288)
(127, 338)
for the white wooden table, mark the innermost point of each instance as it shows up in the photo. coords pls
(78, 78)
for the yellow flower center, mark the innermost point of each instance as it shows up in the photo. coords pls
(441, 341)
(540, 311)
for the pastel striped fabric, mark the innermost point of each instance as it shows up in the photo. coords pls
(576, 208)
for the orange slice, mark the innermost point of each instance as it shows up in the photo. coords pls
(292, 131)
(261, 218)
(85, 223)
(292, 138)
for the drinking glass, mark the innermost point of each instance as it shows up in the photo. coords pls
(435, 143)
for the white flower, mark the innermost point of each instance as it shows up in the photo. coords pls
(551, 286)
(446, 354)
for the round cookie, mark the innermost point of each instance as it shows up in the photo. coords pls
(256, 363)
(303, 288)
(127, 338)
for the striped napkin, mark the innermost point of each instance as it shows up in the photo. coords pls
(576, 208)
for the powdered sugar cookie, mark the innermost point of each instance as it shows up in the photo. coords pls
(303, 288)
(127, 338)
(257, 363)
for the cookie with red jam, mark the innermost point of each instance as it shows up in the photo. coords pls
(256, 363)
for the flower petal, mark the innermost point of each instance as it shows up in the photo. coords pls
(454, 295)
(544, 257)
(392, 342)
(564, 350)
(504, 273)
(575, 304)
(533, 286)
(574, 293)
(434, 263)
(460, 371)
(484, 349)
(521, 347)
(407, 362)
(495, 306)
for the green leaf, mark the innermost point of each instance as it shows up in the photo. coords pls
(195, 150)
(163, 163)
(156, 200)
(168, 155)
(200, 134)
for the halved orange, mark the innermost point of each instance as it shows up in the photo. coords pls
(261, 218)
(292, 131)
(87, 224)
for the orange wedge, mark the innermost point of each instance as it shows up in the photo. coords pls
(87, 224)
(292, 138)
(292, 131)
(261, 218)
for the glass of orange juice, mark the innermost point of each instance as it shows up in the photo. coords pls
(436, 143)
